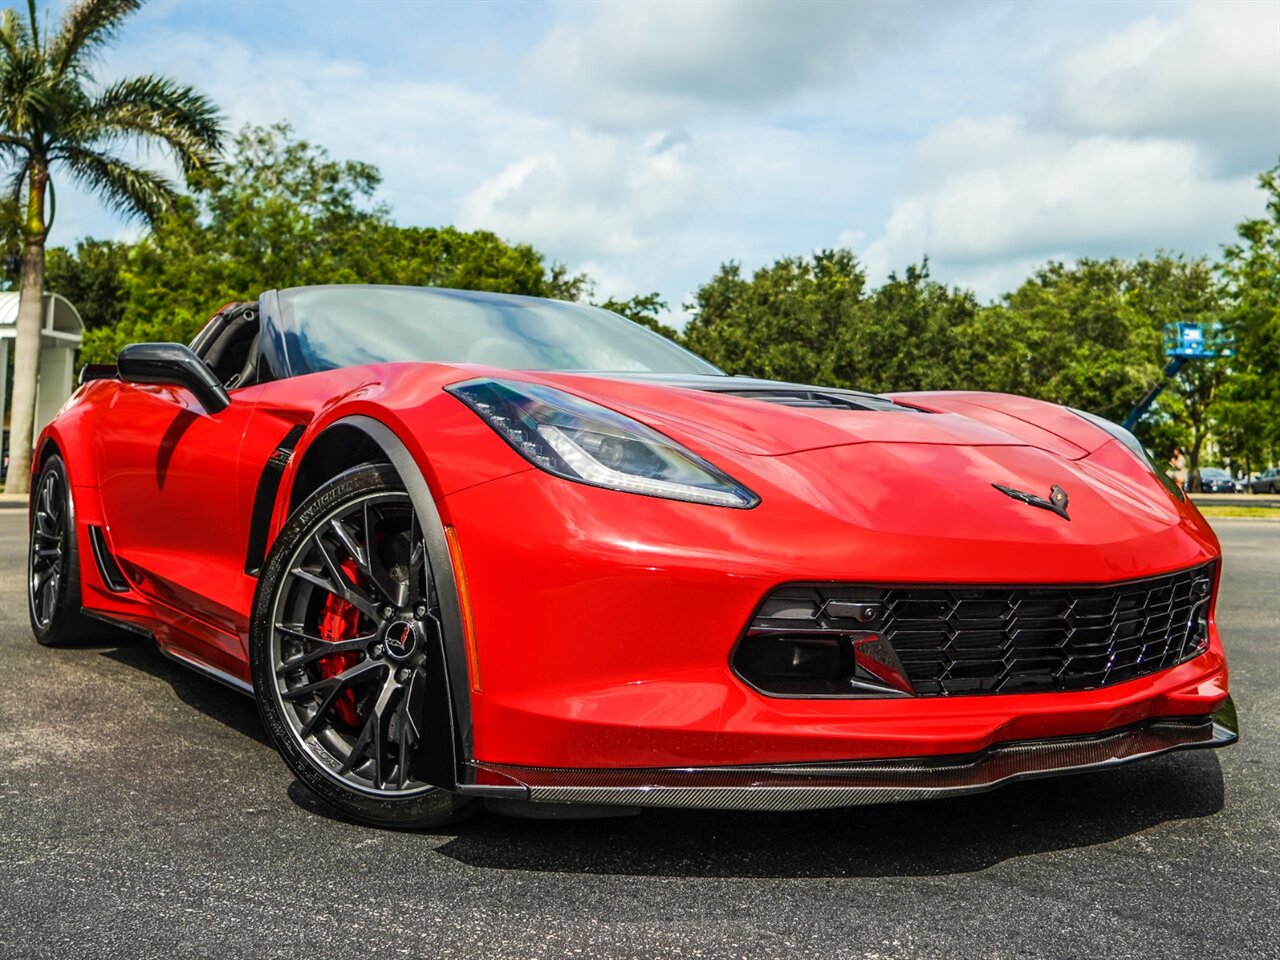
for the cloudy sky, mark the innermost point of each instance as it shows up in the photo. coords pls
(647, 142)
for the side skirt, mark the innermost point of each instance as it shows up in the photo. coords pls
(213, 673)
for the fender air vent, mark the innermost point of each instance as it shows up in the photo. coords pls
(108, 569)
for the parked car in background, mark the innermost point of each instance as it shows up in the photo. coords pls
(1266, 482)
(1217, 480)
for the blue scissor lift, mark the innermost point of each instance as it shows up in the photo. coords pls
(1184, 342)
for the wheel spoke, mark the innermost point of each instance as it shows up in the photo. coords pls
(47, 594)
(53, 503)
(327, 648)
(356, 598)
(381, 740)
(408, 730)
(42, 578)
(417, 558)
(378, 573)
(358, 748)
(341, 681)
(356, 552)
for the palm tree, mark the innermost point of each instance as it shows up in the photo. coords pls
(55, 117)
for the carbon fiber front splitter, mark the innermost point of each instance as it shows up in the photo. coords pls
(814, 786)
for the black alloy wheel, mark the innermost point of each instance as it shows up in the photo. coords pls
(53, 561)
(344, 619)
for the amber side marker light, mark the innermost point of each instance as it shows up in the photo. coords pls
(464, 606)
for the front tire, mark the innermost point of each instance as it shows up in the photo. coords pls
(53, 562)
(344, 610)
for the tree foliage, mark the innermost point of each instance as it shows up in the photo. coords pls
(1250, 269)
(281, 212)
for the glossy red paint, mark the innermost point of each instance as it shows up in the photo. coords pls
(603, 621)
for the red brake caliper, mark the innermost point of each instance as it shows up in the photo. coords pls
(339, 620)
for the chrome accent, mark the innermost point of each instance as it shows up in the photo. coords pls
(815, 786)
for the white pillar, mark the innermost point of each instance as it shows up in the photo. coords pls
(57, 369)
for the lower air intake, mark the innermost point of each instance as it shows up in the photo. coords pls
(846, 640)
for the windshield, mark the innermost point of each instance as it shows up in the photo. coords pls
(1214, 473)
(345, 326)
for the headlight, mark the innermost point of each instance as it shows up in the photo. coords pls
(583, 441)
(1135, 447)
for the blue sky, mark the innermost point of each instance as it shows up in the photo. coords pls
(648, 142)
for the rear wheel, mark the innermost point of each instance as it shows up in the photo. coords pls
(53, 562)
(342, 619)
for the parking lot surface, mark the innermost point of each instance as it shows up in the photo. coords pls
(143, 814)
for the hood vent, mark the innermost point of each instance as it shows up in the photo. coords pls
(801, 395)
(817, 399)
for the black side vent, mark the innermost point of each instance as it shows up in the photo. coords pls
(108, 569)
(818, 399)
(264, 501)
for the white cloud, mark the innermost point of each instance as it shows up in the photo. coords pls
(664, 61)
(990, 193)
(589, 194)
(1211, 74)
(649, 142)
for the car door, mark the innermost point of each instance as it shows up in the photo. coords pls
(167, 473)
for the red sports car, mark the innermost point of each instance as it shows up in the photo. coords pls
(463, 545)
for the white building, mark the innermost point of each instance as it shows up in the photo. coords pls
(60, 336)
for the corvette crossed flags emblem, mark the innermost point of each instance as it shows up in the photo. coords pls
(1057, 502)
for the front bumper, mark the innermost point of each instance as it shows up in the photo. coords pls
(604, 625)
(815, 786)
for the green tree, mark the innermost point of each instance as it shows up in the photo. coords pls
(813, 320)
(644, 310)
(89, 276)
(281, 212)
(1070, 334)
(1250, 268)
(783, 323)
(54, 117)
(907, 335)
(1168, 289)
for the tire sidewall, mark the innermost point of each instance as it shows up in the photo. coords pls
(66, 624)
(432, 808)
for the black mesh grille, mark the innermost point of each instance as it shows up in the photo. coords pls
(955, 641)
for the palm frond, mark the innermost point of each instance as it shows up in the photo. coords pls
(156, 109)
(9, 143)
(15, 38)
(87, 25)
(18, 179)
(34, 24)
(126, 189)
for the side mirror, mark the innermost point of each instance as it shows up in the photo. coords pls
(173, 364)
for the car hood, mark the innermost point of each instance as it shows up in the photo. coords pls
(906, 464)
(771, 418)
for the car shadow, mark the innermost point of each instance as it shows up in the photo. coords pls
(213, 699)
(924, 838)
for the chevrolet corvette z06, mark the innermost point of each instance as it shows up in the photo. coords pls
(465, 545)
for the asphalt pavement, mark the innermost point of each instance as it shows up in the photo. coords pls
(143, 815)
